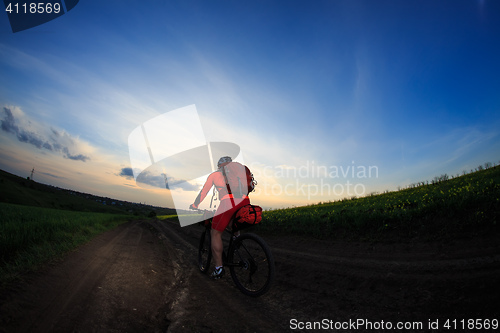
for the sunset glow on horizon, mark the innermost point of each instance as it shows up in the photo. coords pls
(326, 100)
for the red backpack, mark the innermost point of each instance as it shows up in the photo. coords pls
(239, 179)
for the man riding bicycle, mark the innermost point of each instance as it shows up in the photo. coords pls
(228, 206)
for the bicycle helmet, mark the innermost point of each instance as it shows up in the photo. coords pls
(224, 160)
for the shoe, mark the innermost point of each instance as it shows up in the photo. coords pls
(217, 273)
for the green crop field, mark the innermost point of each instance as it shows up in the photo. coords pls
(39, 222)
(465, 205)
(32, 236)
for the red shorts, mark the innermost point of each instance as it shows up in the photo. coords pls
(226, 211)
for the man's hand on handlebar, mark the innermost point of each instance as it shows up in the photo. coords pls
(193, 207)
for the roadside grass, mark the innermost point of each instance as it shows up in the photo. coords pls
(33, 236)
(465, 206)
(17, 190)
(167, 217)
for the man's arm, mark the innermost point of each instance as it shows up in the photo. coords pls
(204, 191)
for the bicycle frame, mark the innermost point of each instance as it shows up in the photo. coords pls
(229, 245)
(243, 255)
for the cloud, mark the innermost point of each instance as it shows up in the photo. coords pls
(52, 175)
(155, 180)
(127, 173)
(150, 179)
(8, 124)
(79, 157)
(26, 131)
(173, 183)
(145, 179)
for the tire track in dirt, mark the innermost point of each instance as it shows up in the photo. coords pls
(212, 306)
(143, 276)
(413, 269)
(393, 281)
(113, 283)
(76, 289)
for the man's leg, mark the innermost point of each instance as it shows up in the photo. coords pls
(217, 246)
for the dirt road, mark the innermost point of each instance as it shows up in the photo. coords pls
(142, 277)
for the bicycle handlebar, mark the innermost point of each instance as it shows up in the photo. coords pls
(198, 210)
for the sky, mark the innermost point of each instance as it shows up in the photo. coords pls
(326, 99)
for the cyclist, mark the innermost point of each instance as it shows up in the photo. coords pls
(227, 208)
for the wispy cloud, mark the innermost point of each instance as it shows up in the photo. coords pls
(52, 175)
(42, 137)
(173, 183)
(159, 181)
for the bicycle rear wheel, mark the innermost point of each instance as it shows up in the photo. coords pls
(251, 264)
(205, 251)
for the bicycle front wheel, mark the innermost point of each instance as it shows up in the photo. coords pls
(205, 251)
(251, 264)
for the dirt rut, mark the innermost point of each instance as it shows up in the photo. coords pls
(142, 277)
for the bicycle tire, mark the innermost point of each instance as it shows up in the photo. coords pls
(205, 251)
(251, 264)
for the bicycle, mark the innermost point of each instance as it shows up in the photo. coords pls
(249, 258)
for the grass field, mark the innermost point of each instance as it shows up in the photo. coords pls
(39, 222)
(32, 236)
(17, 190)
(465, 205)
